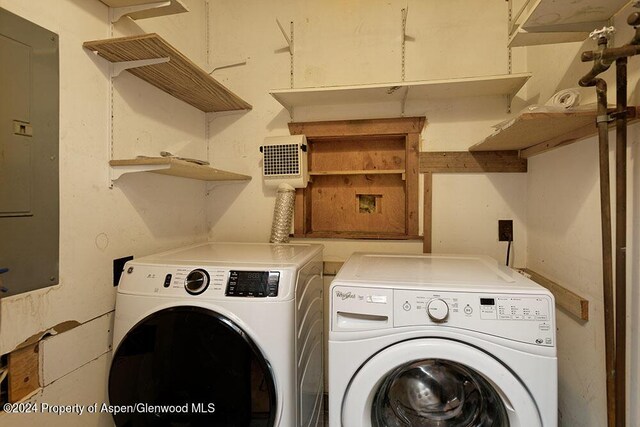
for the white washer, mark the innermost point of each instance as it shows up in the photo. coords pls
(220, 334)
(429, 340)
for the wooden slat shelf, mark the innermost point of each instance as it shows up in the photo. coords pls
(552, 21)
(398, 92)
(178, 77)
(174, 167)
(148, 8)
(534, 133)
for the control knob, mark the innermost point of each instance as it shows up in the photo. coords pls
(196, 282)
(438, 310)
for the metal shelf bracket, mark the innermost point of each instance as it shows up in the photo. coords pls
(118, 12)
(119, 67)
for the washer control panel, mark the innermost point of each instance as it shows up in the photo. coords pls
(207, 282)
(526, 318)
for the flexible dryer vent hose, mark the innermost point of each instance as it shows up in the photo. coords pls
(283, 214)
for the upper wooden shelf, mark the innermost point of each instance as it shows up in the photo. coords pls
(534, 133)
(507, 84)
(551, 21)
(174, 167)
(143, 9)
(178, 76)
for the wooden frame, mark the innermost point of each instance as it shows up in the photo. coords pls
(406, 129)
(461, 162)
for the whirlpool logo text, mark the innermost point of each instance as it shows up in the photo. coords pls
(345, 295)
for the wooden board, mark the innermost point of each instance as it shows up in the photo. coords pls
(24, 371)
(544, 131)
(353, 128)
(355, 160)
(181, 168)
(179, 77)
(475, 162)
(373, 153)
(397, 92)
(565, 299)
(427, 220)
(175, 7)
(335, 208)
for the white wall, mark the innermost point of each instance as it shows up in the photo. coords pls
(564, 239)
(142, 214)
(340, 43)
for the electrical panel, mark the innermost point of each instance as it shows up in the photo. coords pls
(29, 122)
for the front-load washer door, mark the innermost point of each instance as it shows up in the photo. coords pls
(188, 366)
(431, 382)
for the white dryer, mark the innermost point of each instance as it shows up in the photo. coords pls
(220, 334)
(446, 341)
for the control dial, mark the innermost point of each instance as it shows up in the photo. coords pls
(438, 310)
(196, 282)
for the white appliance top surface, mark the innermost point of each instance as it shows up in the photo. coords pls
(214, 253)
(453, 272)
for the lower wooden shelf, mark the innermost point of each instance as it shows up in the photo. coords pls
(174, 167)
(536, 132)
(359, 172)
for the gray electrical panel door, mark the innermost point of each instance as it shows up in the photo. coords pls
(29, 196)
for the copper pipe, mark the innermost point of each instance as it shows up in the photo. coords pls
(607, 256)
(621, 239)
(591, 79)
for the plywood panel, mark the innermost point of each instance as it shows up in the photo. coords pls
(23, 372)
(357, 154)
(335, 207)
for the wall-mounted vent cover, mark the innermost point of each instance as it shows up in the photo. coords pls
(281, 159)
(285, 161)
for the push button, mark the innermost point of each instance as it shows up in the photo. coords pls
(167, 280)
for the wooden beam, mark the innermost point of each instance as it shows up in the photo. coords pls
(412, 189)
(427, 213)
(471, 162)
(571, 302)
(393, 126)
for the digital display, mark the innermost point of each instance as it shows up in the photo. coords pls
(487, 301)
(253, 283)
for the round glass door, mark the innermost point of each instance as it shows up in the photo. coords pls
(437, 393)
(188, 366)
(436, 382)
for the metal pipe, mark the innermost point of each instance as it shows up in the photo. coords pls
(607, 261)
(599, 64)
(621, 238)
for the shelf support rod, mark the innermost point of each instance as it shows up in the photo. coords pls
(119, 67)
(222, 65)
(286, 36)
(118, 12)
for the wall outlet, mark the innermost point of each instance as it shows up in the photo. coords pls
(505, 230)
